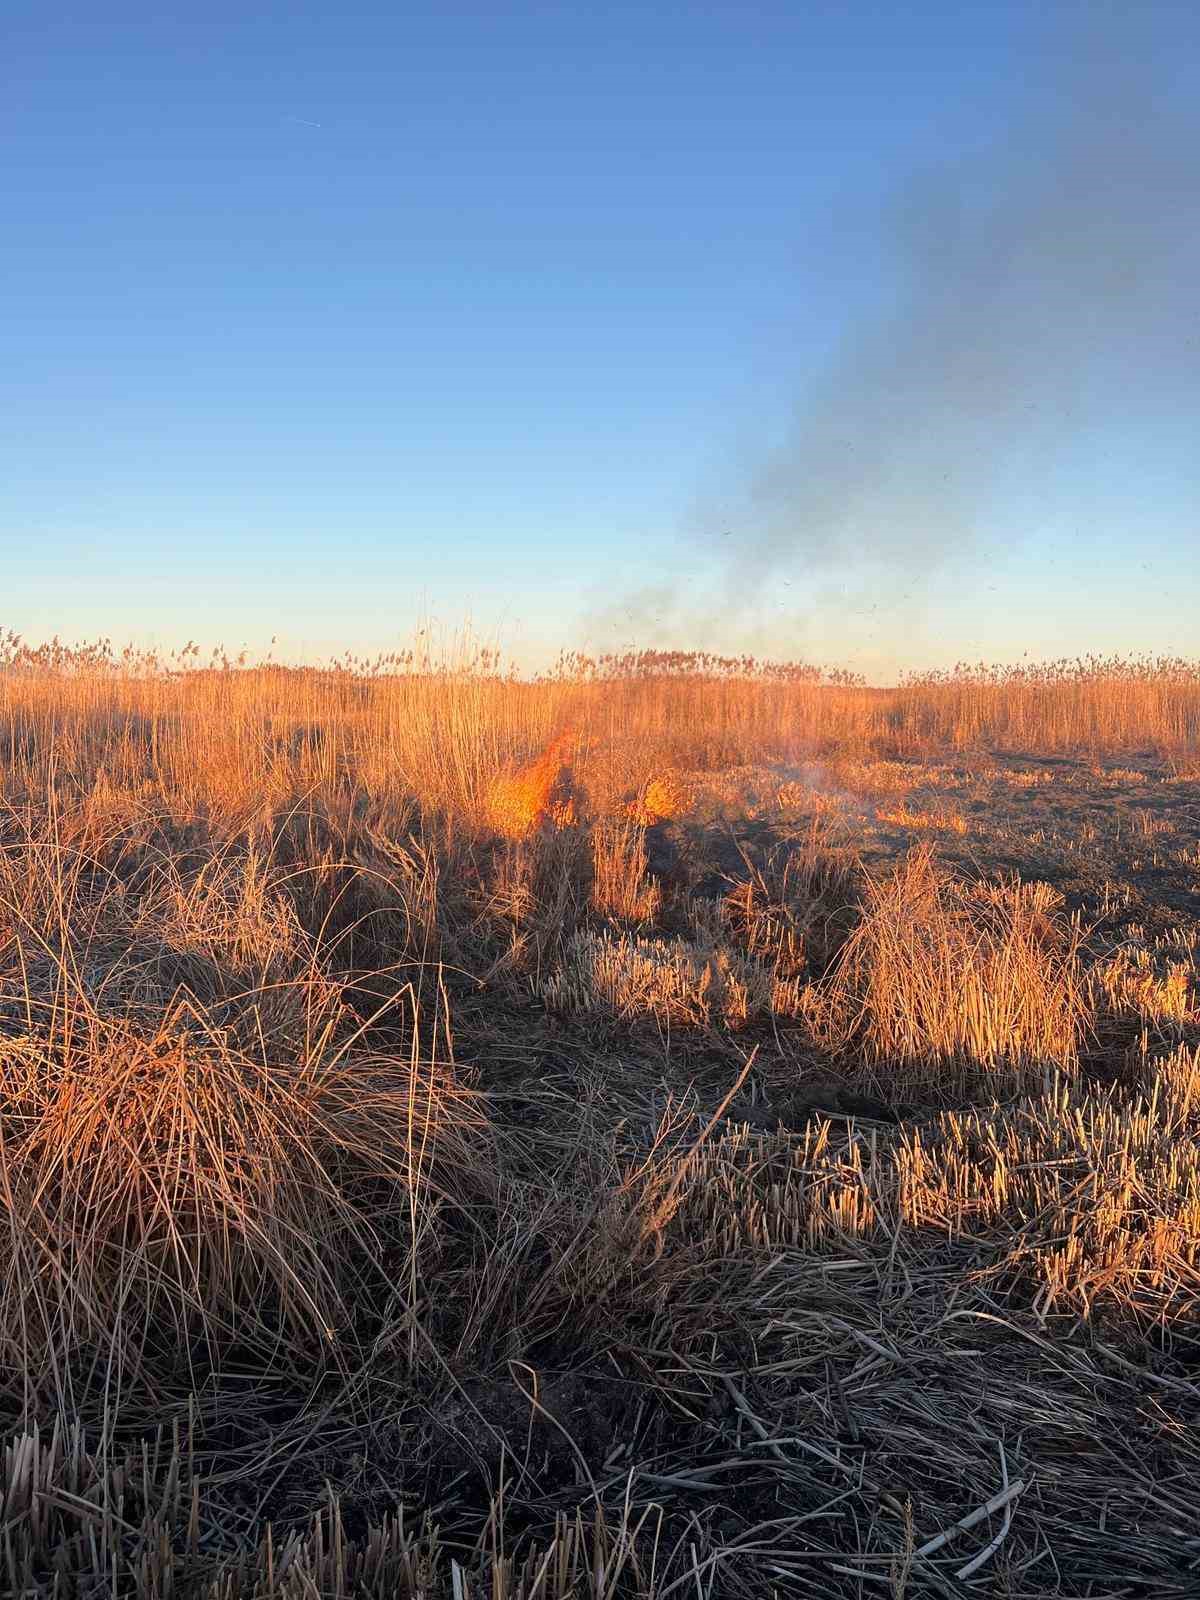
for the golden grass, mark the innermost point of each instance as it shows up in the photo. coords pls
(191, 1119)
(621, 885)
(1158, 993)
(671, 981)
(238, 740)
(374, 1074)
(938, 820)
(942, 973)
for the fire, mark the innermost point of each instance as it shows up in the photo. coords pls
(543, 794)
(547, 793)
(664, 798)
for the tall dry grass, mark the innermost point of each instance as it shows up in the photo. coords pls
(203, 1147)
(236, 740)
(943, 974)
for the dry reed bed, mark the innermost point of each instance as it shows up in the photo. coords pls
(443, 730)
(371, 1082)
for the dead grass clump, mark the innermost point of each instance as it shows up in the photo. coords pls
(771, 1192)
(1033, 778)
(198, 1152)
(770, 930)
(877, 777)
(163, 913)
(669, 980)
(230, 910)
(621, 884)
(940, 819)
(943, 972)
(405, 874)
(1133, 982)
(164, 1197)
(791, 906)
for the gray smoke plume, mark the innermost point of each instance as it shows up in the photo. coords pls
(1041, 290)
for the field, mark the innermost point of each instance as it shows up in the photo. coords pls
(673, 1127)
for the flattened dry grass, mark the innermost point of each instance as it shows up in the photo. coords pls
(668, 980)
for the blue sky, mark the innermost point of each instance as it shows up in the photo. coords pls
(322, 320)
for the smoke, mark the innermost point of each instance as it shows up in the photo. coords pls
(1041, 302)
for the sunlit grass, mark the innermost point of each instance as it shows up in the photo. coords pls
(393, 1054)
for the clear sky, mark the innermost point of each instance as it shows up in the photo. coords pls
(861, 332)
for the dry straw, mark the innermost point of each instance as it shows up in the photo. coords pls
(418, 1179)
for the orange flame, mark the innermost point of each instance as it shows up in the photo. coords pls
(663, 799)
(543, 794)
